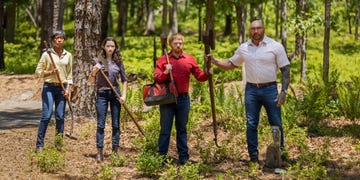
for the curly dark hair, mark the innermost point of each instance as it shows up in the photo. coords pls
(116, 56)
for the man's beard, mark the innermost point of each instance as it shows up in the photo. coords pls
(177, 50)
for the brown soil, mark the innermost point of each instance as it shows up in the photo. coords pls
(21, 93)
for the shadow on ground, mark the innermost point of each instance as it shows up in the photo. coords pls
(19, 118)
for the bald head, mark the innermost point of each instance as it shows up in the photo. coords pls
(257, 31)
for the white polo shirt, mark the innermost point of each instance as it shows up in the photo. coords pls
(261, 62)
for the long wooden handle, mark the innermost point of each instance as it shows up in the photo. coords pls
(125, 106)
(168, 61)
(209, 42)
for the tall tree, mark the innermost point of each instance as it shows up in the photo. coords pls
(326, 40)
(240, 7)
(150, 21)
(46, 22)
(58, 17)
(228, 24)
(10, 11)
(283, 28)
(300, 36)
(122, 8)
(348, 17)
(86, 45)
(37, 11)
(105, 9)
(357, 20)
(2, 60)
(199, 4)
(174, 17)
(278, 9)
(164, 24)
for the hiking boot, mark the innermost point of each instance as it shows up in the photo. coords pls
(99, 155)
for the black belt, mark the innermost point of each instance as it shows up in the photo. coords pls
(183, 94)
(261, 85)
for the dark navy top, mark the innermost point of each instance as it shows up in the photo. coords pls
(115, 69)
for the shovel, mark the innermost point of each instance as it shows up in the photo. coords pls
(71, 134)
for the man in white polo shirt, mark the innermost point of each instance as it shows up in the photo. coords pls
(262, 57)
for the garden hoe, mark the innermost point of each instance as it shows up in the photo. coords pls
(71, 134)
(124, 105)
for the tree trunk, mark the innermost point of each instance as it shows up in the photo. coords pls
(241, 21)
(277, 17)
(303, 57)
(142, 11)
(86, 45)
(300, 9)
(37, 12)
(10, 22)
(58, 17)
(150, 23)
(105, 8)
(2, 60)
(164, 25)
(122, 8)
(283, 29)
(348, 15)
(357, 21)
(200, 27)
(46, 22)
(326, 40)
(228, 23)
(174, 18)
(300, 41)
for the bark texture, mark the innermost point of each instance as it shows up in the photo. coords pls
(86, 46)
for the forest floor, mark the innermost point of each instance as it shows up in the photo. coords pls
(20, 110)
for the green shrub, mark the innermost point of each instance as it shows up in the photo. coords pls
(118, 160)
(190, 172)
(349, 98)
(170, 173)
(318, 101)
(107, 173)
(149, 163)
(50, 160)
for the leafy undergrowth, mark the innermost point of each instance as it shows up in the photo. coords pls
(333, 154)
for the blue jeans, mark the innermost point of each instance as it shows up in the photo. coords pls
(181, 113)
(51, 95)
(104, 97)
(255, 98)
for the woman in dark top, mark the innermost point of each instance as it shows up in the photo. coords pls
(111, 63)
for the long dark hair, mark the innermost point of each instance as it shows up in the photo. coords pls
(116, 56)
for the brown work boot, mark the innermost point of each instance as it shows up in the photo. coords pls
(99, 155)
